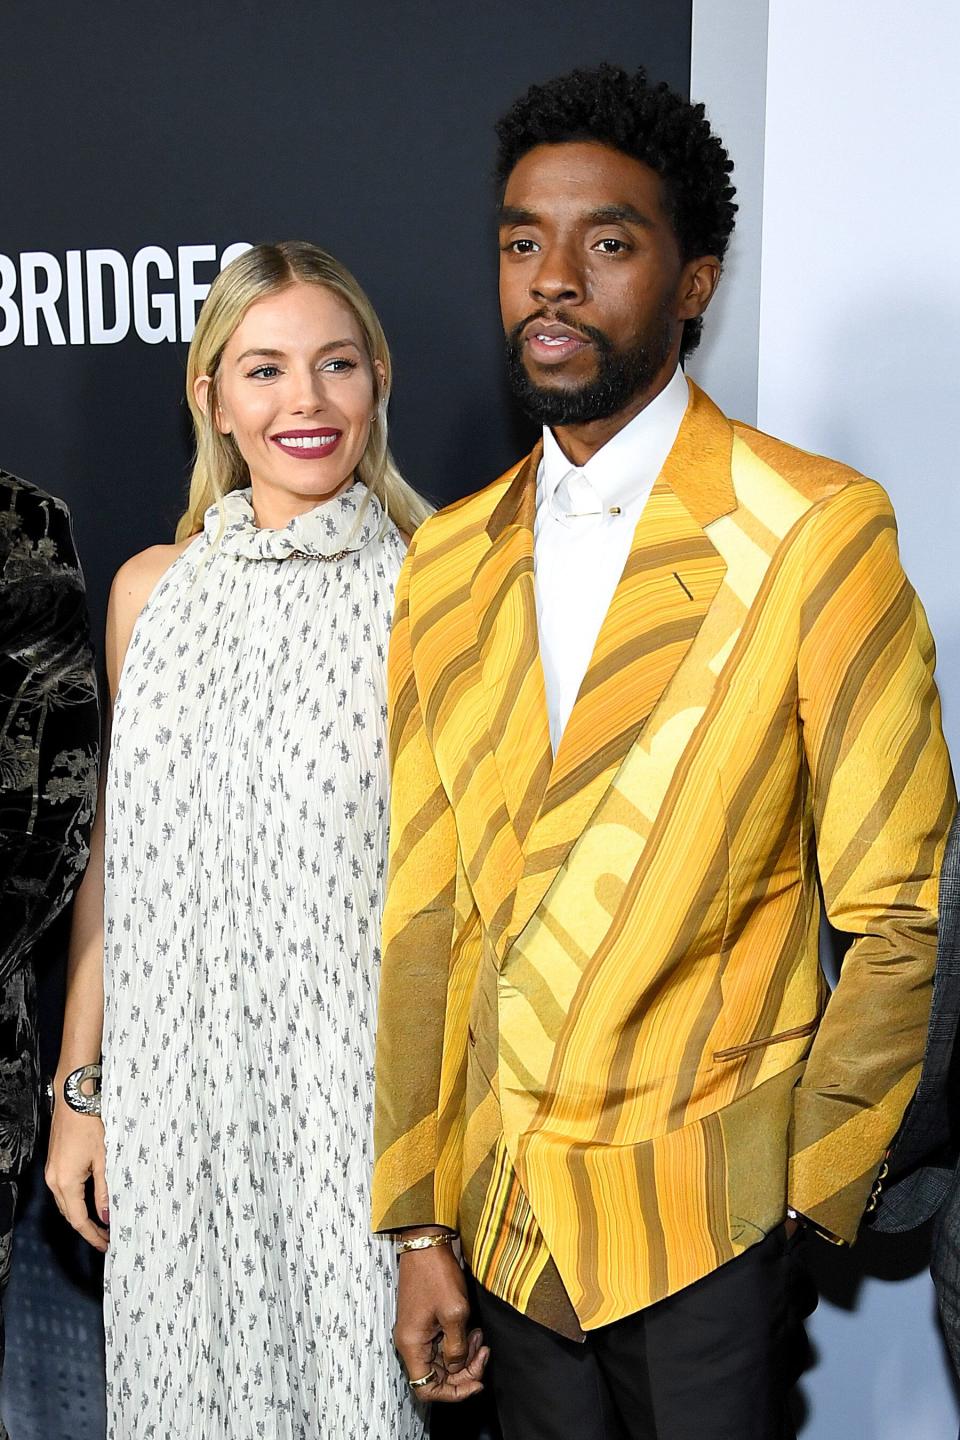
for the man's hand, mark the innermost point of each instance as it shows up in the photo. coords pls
(431, 1329)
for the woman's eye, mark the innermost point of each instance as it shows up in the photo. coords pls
(264, 372)
(338, 365)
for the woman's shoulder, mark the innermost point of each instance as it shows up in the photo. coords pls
(132, 587)
(137, 577)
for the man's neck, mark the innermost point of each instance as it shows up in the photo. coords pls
(581, 442)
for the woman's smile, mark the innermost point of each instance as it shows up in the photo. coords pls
(308, 444)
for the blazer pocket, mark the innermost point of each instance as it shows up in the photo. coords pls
(735, 1052)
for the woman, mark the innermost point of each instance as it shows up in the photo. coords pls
(226, 940)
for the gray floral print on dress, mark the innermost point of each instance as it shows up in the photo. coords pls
(246, 855)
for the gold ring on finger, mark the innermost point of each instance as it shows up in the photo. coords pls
(427, 1379)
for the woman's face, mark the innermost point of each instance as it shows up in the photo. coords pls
(296, 391)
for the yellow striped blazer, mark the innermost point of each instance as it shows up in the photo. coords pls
(607, 1052)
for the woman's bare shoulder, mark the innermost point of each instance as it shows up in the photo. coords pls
(132, 587)
(137, 577)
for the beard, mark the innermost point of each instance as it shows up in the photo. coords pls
(620, 375)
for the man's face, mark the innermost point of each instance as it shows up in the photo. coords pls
(591, 282)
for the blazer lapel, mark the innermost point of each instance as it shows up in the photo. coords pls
(669, 581)
(504, 603)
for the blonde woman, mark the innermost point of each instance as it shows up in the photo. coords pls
(226, 935)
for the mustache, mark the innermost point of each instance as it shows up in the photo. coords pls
(560, 317)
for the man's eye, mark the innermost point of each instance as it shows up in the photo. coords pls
(610, 246)
(522, 247)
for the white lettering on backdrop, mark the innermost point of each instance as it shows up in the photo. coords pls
(90, 297)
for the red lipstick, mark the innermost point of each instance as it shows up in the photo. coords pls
(313, 444)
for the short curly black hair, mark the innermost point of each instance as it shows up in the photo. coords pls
(650, 122)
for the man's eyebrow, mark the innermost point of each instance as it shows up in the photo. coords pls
(620, 215)
(278, 354)
(515, 215)
(604, 215)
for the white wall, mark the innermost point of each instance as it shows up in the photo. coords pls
(858, 356)
(728, 71)
(860, 281)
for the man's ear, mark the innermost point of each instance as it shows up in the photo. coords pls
(203, 391)
(698, 283)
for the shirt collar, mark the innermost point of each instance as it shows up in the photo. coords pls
(630, 462)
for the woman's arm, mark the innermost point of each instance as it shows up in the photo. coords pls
(76, 1149)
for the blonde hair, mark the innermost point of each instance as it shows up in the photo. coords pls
(218, 465)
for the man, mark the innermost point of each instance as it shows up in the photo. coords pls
(49, 743)
(932, 1126)
(644, 688)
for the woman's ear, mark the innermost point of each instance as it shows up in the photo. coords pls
(202, 392)
(381, 373)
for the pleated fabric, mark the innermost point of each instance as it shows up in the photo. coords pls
(247, 831)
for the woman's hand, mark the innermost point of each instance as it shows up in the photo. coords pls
(76, 1153)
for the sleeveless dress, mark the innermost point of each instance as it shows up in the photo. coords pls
(246, 827)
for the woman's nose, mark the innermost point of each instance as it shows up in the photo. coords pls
(308, 394)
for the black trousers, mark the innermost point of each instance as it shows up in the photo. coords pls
(8, 1205)
(715, 1361)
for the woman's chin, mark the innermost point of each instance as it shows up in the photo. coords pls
(314, 484)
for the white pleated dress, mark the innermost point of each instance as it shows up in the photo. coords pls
(246, 853)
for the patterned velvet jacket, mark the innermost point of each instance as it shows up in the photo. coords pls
(607, 1052)
(49, 744)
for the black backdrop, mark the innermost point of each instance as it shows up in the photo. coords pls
(366, 128)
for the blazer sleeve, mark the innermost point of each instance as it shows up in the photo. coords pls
(51, 724)
(882, 802)
(418, 927)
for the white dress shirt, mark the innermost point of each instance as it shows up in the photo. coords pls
(584, 526)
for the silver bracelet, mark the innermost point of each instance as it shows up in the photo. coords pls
(83, 1101)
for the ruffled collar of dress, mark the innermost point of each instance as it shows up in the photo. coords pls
(331, 531)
